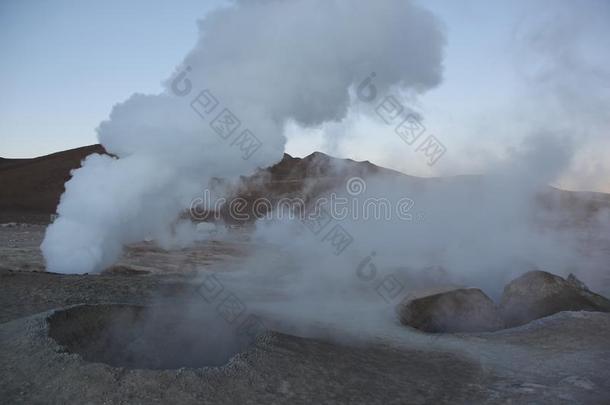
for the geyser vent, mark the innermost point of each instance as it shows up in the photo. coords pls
(140, 337)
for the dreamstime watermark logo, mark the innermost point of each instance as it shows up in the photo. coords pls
(355, 186)
(407, 126)
(387, 286)
(225, 124)
(228, 305)
(329, 232)
(339, 207)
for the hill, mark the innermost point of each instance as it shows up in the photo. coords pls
(31, 188)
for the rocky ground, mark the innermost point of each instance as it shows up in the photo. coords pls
(564, 358)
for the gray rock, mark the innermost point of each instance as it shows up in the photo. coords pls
(576, 282)
(460, 310)
(537, 294)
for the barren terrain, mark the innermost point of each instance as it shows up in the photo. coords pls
(54, 348)
(561, 359)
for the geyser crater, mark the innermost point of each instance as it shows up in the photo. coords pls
(139, 337)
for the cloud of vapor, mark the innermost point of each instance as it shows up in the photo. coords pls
(471, 231)
(549, 72)
(560, 53)
(268, 62)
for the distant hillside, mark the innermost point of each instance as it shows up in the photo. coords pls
(6, 163)
(31, 188)
(311, 175)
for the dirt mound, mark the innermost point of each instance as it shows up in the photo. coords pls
(537, 294)
(291, 178)
(460, 310)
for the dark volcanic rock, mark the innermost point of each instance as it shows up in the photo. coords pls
(537, 294)
(461, 310)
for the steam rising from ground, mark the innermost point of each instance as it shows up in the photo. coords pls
(268, 61)
(277, 62)
(464, 232)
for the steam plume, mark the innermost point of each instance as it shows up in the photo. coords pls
(267, 61)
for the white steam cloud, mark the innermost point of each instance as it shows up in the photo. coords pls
(268, 62)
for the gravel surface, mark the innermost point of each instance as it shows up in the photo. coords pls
(562, 359)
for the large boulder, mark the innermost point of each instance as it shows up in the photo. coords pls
(459, 310)
(537, 294)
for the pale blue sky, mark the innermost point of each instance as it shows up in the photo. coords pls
(66, 63)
